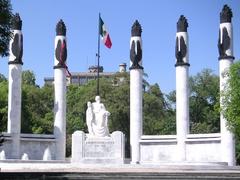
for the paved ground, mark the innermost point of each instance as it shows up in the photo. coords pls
(23, 170)
(21, 166)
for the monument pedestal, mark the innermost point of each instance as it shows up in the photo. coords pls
(98, 150)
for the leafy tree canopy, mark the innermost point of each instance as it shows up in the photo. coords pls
(28, 78)
(231, 97)
(5, 21)
(3, 103)
(203, 102)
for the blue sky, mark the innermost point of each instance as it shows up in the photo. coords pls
(157, 17)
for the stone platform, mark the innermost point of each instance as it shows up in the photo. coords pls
(63, 170)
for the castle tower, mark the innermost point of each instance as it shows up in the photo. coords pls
(136, 88)
(225, 48)
(60, 90)
(182, 87)
(15, 85)
(122, 67)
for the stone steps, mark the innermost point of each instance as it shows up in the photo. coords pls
(41, 171)
(117, 175)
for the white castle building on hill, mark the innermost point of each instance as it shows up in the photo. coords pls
(80, 78)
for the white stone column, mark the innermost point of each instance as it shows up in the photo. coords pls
(136, 88)
(14, 97)
(135, 113)
(182, 88)
(60, 91)
(226, 58)
(15, 86)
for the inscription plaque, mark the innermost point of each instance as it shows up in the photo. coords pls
(99, 149)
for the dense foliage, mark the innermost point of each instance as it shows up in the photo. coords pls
(204, 102)
(3, 103)
(5, 20)
(159, 117)
(231, 97)
(231, 103)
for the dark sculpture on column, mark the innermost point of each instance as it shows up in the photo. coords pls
(17, 43)
(61, 49)
(136, 49)
(181, 47)
(181, 52)
(225, 44)
(224, 40)
(226, 14)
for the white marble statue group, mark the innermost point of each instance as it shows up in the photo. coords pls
(97, 119)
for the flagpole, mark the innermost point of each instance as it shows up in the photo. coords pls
(98, 55)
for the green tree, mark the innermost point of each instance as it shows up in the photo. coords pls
(37, 106)
(159, 117)
(5, 21)
(28, 77)
(118, 102)
(204, 102)
(2, 78)
(230, 103)
(230, 99)
(3, 103)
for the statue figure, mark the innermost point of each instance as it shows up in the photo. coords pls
(61, 28)
(97, 119)
(226, 14)
(61, 52)
(182, 24)
(136, 48)
(89, 117)
(181, 52)
(225, 44)
(17, 44)
(61, 48)
(136, 57)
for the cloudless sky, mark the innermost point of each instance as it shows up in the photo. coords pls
(157, 17)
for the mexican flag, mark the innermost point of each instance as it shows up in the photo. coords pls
(104, 33)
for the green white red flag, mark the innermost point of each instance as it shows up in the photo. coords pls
(104, 33)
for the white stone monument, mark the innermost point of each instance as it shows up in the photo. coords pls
(14, 85)
(25, 157)
(47, 154)
(182, 89)
(97, 119)
(60, 90)
(225, 47)
(99, 146)
(2, 155)
(136, 88)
